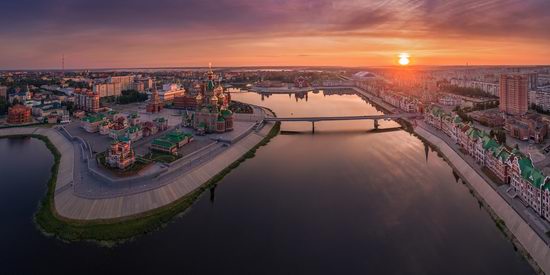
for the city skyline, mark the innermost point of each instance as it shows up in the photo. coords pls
(127, 34)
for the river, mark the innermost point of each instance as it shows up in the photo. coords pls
(345, 200)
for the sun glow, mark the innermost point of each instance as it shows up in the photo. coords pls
(404, 59)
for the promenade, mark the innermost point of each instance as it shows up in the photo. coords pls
(69, 204)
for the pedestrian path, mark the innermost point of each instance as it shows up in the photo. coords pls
(71, 206)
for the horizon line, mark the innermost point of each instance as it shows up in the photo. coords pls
(272, 66)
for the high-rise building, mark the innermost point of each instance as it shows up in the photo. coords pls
(86, 100)
(513, 94)
(19, 114)
(125, 81)
(533, 81)
(4, 92)
(108, 89)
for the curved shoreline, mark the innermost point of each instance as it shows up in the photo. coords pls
(110, 231)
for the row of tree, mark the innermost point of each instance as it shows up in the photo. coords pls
(465, 91)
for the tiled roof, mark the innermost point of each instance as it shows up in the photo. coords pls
(530, 173)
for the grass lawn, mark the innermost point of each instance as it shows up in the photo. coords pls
(162, 157)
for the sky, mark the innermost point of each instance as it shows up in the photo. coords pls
(35, 34)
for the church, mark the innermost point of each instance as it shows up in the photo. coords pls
(212, 114)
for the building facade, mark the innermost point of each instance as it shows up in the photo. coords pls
(170, 91)
(510, 166)
(19, 114)
(513, 94)
(120, 155)
(86, 100)
(212, 109)
(155, 104)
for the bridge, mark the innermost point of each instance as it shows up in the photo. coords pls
(338, 118)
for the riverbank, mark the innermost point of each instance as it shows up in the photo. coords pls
(522, 236)
(526, 240)
(110, 231)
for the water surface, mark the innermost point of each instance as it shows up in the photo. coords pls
(345, 200)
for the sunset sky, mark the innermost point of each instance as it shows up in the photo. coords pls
(35, 34)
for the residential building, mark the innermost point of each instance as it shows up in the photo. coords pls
(4, 92)
(170, 91)
(108, 89)
(86, 100)
(19, 114)
(528, 127)
(126, 81)
(513, 94)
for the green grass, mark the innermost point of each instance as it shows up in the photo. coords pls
(117, 230)
(162, 157)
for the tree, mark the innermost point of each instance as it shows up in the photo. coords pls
(499, 135)
(3, 105)
(130, 96)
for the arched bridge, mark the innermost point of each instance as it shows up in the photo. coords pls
(336, 118)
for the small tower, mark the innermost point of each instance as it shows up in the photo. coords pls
(155, 104)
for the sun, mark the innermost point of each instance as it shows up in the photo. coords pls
(404, 59)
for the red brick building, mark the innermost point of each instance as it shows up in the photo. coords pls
(185, 102)
(19, 114)
(513, 94)
(155, 104)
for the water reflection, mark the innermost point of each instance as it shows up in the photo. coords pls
(212, 191)
(343, 201)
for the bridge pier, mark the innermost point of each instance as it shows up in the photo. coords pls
(376, 124)
(313, 127)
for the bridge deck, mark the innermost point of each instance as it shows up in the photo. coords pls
(336, 118)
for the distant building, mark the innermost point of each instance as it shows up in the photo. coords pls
(513, 94)
(86, 100)
(4, 92)
(491, 88)
(19, 114)
(185, 101)
(20, 95)
(301, 82)
(170, 91)
(540, 98)
(155, 103)
(529, 127)
(108, 89)
(532, 81)
(125, 81)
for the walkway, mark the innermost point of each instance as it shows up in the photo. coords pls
(69, 205)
